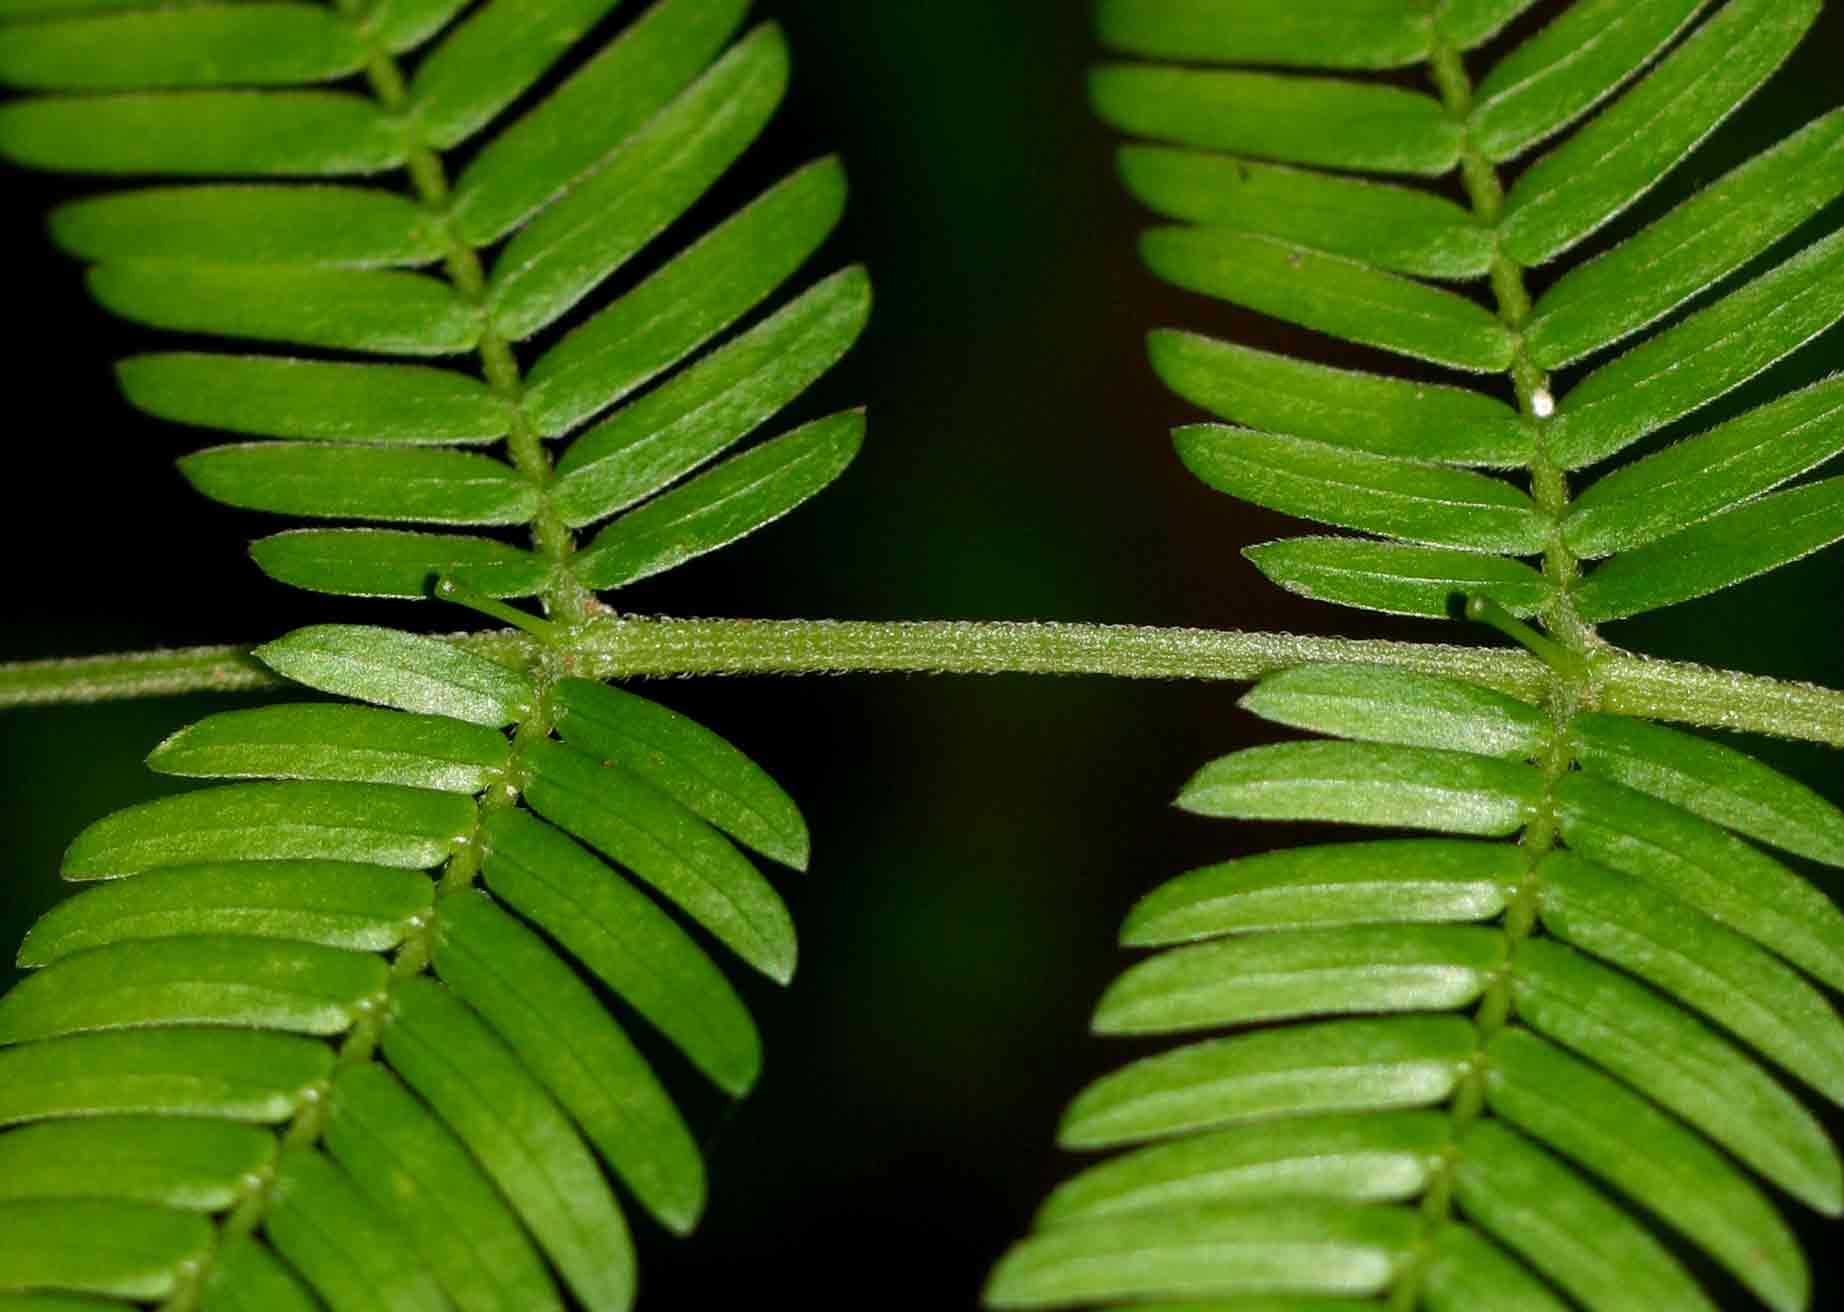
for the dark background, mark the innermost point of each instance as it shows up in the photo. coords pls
(977, 840)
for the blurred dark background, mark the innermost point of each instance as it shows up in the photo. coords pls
(978, 840)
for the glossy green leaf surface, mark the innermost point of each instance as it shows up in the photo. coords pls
(195, 46)
(1712, 780)
(1330, 1066)
(629, 820)
(378, 824)
(1705, 239)
(1370, 784)
(1331, 294)
(625, 941)
(729, 502)
(350, 562)
(331, 227)
(248, 1278)
(414, 1171)
(204, 134)
(1695, 362)
(1365, 412)
(99, 1246)
(394, 485)
(267, 397)
(518, 1135)
(1309, 972)
(1648, 1156)
(193, 1165)
(688, 302)
(1567, 68)
(1425, 503)
(403, 670)
(1688, 957)
(234, 1075)
(1467, 1270)
(578, 126)
(1389, 227)
(1717, 553)
(1642, 136)
(687, 762)
(1687, 483)
(1673, 1058)
(1400, 881)
(1400, 706)
(350, 1252)
(1717, 873)
(217, 980)
(1399, 579)
(376, 311)
(1293, 120)
(712, 405)
(339, 905)
(356, 744)
(404, 24)
(1338, 33)
(567, 1039)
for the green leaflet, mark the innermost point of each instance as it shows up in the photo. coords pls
(358, 907)
(1333, 295)
(1704, 357)
(354, 1257)
(1399, 881)
(352, 743)
(364, 482)
(1684, 484)
(1691, 958)
(1399, 579)
(1382, 1156)
(193, 1165)
(1329, 1066)
(1394, 228)
(1365, 412)
(235, 1075)
(684, 305)
(1367, 968)
(518, 1135)
(215, 45)
(417, 1173)
(1713, 781)
(626, 941)
(567, 1039)
(1366, 783)
(1570, 66)
(1337, 33)
(331, 227)
(1294, 120)
(404, 24)
(409, 405)
(1675, 1059)
(1296, 1246)
(1399, 706)
(1467, 1271)
(401, 670)
(1539, 1208)
(629, 820)
(743, 494)
(1630, 146)
(376, 311)
(1467, 23)
(351, 562)
(97, 1246)
(555, 146)
(204, 134)
(247, 1278)
(1650, 1157)
(1377, 494)
(687, 762)
(1717, 553)
(1703, 240)
(712, 405)
(218, 980)
(379, 824)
